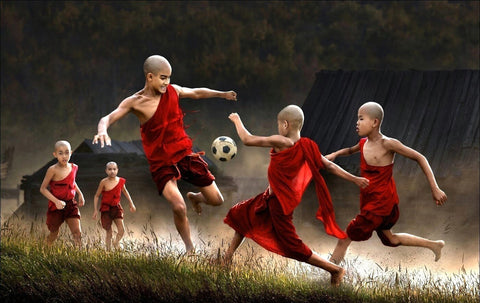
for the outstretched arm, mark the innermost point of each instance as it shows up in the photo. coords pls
(396, 146)
(123, 108)
(343, 152)
(337, 170)
(204, 93)
(261, 141)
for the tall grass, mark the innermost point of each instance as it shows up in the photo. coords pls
(154, 270)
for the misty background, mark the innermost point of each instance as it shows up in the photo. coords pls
(67, 64)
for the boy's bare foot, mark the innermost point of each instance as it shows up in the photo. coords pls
(195, 202)
(337, 277)
(437, 249)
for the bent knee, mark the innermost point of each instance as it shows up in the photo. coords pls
(392, 241)
(216, 201)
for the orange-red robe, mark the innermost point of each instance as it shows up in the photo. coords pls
(112, 197)
(65, 189)
(267, 219)
(164, 139)
(380, 195)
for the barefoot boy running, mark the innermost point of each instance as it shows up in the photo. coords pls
(59, 187)
(111, 189)
(379, 201)
(267, 218)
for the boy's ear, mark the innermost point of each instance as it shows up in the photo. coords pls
(375, 122)
(149, 76)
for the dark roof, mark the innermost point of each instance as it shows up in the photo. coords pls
(117, 147)
(90, 157)
(433, 112)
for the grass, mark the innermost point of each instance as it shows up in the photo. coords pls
(152, 270)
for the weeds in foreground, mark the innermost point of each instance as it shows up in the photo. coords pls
(154, 270)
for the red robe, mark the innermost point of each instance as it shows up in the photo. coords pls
(380, 195)
(164, 139)
(65, 189)
(267, 219)
(112, 197)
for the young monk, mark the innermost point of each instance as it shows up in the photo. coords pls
(379, 201)
(267, 218)
(111, 210)
(59, 187)
(167, 146)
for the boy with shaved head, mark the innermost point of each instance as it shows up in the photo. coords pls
(379, 201)
(267, 218)
(60, 188)
(167, 146)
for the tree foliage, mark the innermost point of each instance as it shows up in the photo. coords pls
(68, 63)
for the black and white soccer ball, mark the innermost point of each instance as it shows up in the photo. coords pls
(224, 148)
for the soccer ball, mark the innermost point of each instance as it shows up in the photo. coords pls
(224, 148)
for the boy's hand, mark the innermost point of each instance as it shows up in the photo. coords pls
(60, 204)
(231, 95)
(133, 208)
(81, 201)
(330, 157)
(234, 117)
(362, 182)
(104, 139)
(439, 196)
(95, 213)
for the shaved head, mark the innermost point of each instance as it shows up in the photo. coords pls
(373, 110)
(293, 114)
(111, 163)
(154, 64)
(61, 143)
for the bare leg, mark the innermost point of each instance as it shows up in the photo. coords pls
(108, 239)
(74, 225)
(52, 237)
(340, 250)
(209, 195)
(120, 232)
(173, 195)
(412, 240)
(335, 271)
(234, 244)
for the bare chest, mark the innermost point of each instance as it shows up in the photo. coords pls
(377, 155)
(144, 109)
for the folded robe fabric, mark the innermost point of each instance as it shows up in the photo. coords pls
(267, 218)
(289, 173)
(164, 139)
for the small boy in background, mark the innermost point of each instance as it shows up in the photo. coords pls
(111, 210)
(59, 187)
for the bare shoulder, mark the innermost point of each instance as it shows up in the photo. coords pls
(132, 100)
(52, 169)
(391, 144)
(281, 142)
